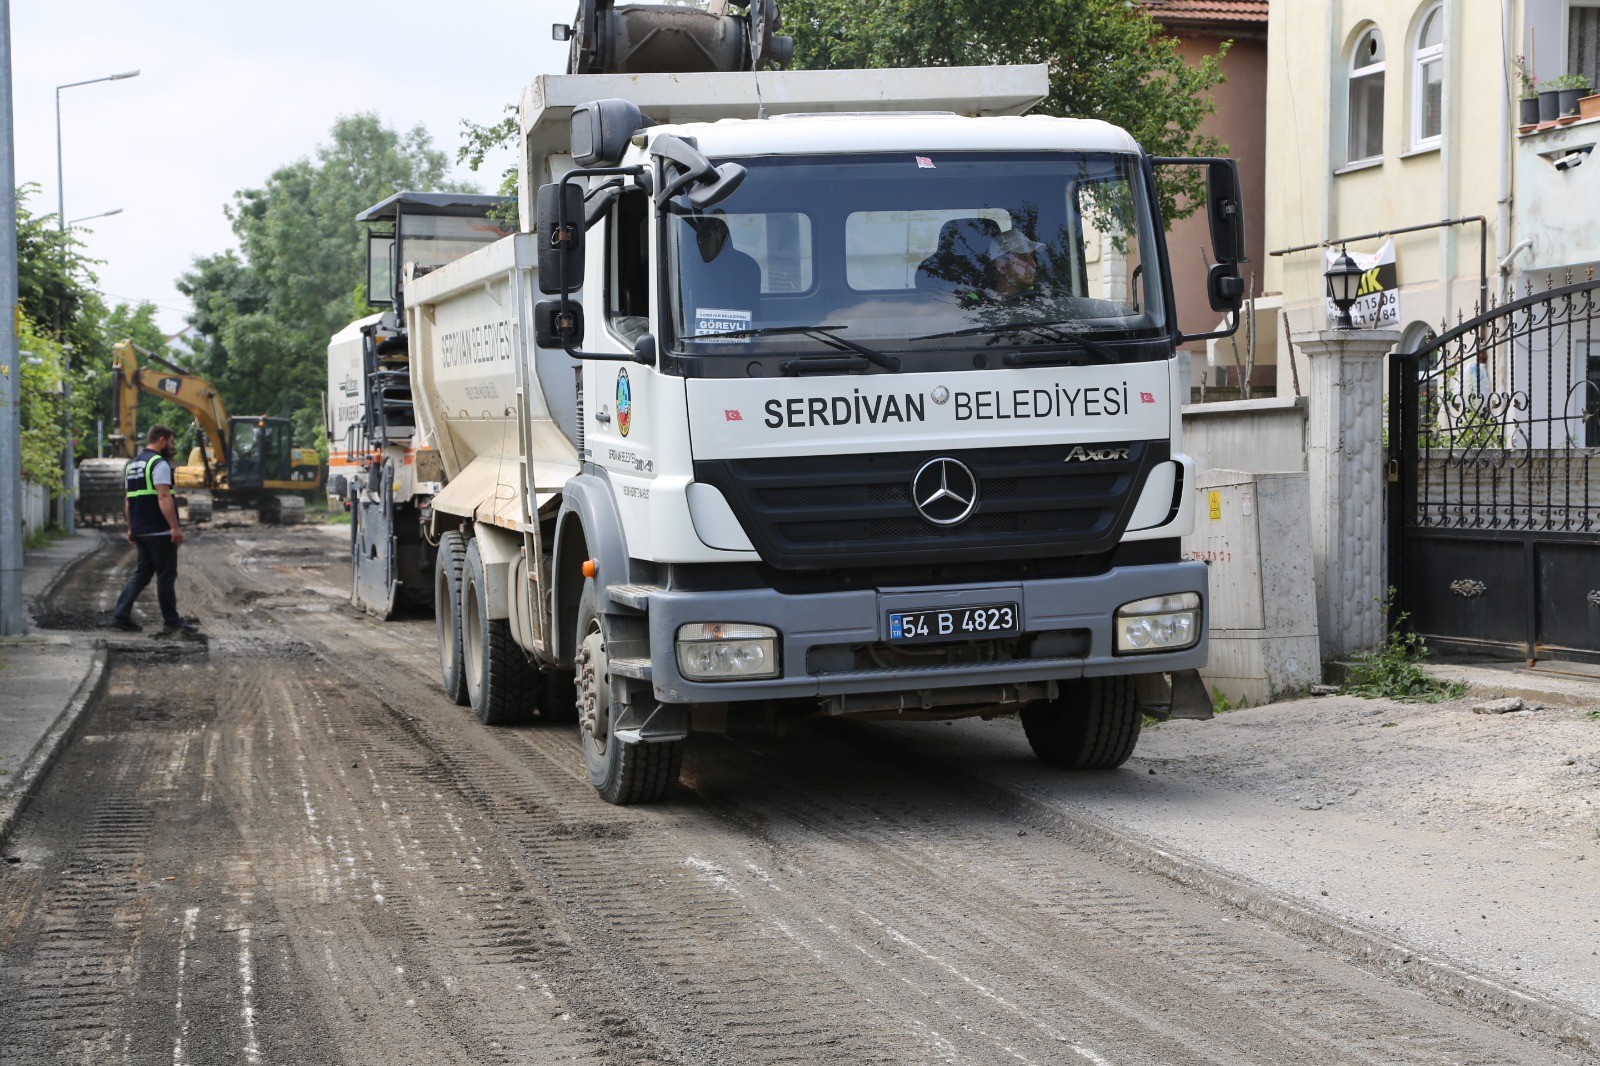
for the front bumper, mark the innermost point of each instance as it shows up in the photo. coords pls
(817, 623)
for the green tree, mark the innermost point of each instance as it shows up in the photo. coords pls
(68, 323)
(1108, 60)
(43, 429)
(264, 316)
(477, 141)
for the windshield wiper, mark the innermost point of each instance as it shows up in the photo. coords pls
(821, 333)
(1051, 330)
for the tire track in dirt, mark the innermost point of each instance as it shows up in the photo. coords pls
(357, 867)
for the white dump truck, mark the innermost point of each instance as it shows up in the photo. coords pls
(816, 393)
(378, 467)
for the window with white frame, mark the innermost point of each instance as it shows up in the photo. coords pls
(1365, 141)
(1583, 40)
(1427, 80)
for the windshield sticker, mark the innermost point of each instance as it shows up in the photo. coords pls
(624, 403)
(720, 320)
(924, 163)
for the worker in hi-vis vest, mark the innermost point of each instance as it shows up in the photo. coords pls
(152, 513)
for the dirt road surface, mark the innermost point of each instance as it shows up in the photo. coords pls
(280, 843)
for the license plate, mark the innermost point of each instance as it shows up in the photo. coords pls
(956, 623)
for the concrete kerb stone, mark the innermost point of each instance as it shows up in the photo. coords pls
(67, 555)
(50, 746)
(1565, 1024)
(1490, 682)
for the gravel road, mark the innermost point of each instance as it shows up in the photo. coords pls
(281, 844)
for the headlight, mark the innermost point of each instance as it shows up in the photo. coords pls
(1160, 623)
(727, 651)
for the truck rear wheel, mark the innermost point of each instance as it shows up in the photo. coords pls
(621, 773)
(1092, 725)
(447, 615)
(500, 682)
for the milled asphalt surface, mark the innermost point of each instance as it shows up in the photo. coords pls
(1367, 887)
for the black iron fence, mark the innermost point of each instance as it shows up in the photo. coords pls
(1494, 451)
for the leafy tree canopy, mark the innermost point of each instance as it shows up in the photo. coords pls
(65, 324)
(1108, 60)
(263, 316)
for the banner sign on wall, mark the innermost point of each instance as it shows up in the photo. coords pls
(1377, 303)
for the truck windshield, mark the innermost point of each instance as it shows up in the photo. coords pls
(909, 253)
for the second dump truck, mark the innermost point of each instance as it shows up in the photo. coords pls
(841, 393)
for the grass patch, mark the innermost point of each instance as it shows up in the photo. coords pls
(41, 537)
(330, 513)
(1221, 704)
(1393, 670)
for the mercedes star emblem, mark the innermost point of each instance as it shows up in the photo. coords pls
(945, 491)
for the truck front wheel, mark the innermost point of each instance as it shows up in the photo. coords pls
(1092, 725)
(622, 773)
(447, 615)
(500, 685)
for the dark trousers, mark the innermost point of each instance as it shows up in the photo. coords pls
(158, 559)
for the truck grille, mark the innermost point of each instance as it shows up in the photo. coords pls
(820, 511)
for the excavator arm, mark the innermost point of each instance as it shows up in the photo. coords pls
(172, 383)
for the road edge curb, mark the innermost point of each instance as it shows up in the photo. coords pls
(1570, 1026)
(50, 746)
(64, 569)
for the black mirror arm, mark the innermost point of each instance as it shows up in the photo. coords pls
(1227, 331)
(565, 232)
(599, 201)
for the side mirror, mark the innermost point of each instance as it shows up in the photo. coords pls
(380, 269)
(1225, 211)
(557, 324)
(1224, 287)
(601, 130)
(560, 245)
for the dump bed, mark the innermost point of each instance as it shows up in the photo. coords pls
(678, 98)
(475, 369)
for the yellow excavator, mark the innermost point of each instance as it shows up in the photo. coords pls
(239, 460)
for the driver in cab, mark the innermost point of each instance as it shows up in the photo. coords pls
(1014, 269)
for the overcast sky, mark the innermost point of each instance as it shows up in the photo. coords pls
(227, 93)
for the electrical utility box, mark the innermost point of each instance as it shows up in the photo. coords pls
(1254, 531)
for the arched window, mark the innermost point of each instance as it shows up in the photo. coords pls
(1427, 80)
(1366, 99)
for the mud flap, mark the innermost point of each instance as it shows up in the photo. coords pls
(652, 723)
(1185, 696)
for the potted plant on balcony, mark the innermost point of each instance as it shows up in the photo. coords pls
(1569, 87)
(1527, 94)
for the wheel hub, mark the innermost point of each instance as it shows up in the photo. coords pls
(594, 696)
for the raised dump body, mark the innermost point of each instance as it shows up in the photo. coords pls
(823, 392)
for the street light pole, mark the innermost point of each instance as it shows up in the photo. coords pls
(88, 218)
(68, 488)
(12, 619)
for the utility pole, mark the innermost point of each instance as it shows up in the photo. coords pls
(12, 619)
(69, 472)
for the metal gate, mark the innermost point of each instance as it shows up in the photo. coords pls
(1494, 471)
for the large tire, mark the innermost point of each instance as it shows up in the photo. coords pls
(621, 773)
(1093, 724)
(501, 686)
(447, 615)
